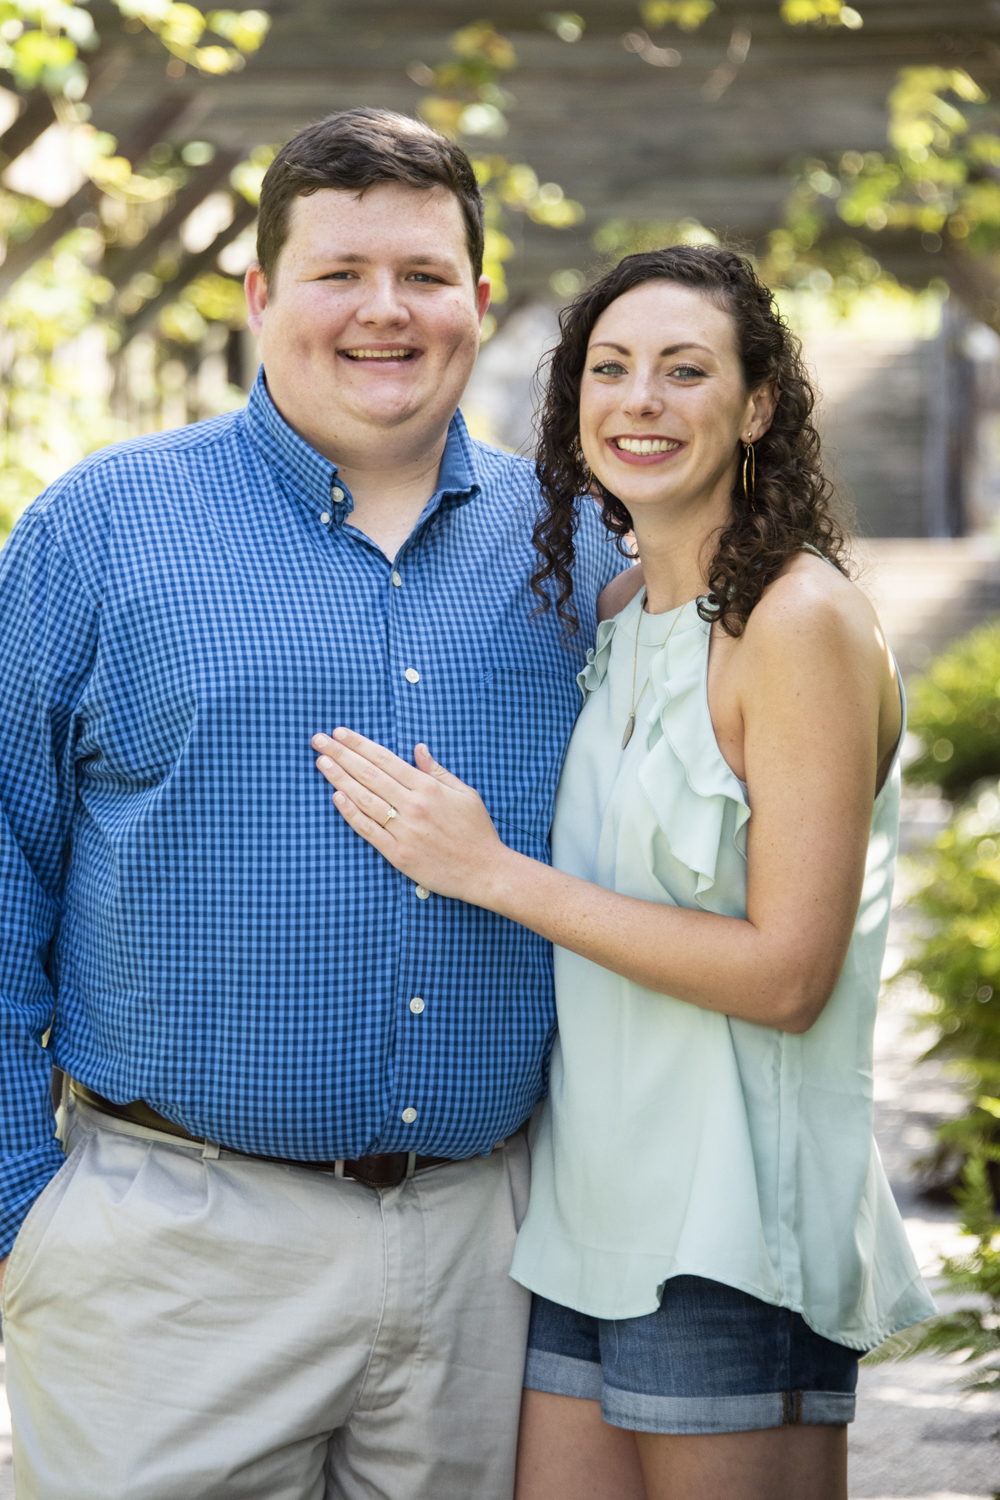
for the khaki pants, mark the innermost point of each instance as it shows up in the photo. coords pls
(187, 1329)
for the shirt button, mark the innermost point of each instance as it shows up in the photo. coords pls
(337, 495)
(409, 1115)
(325, 518)
(416, 1004)
(397, 580)
(411, 674)
(422, 893)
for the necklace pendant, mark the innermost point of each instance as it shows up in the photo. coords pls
(629, 729)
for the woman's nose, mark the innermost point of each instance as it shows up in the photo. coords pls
(642, 399)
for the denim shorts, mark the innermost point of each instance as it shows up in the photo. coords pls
(711, 1359)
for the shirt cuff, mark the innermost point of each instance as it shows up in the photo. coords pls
(24, 1175)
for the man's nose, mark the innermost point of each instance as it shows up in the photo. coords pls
(382, 303)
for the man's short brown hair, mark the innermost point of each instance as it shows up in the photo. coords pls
(358, 149)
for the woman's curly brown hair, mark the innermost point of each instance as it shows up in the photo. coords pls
(792, 496)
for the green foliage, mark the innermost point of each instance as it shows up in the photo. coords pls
(53, 415)
(209, 299)
(973, 1333)
(821, 13)
(567, 25)
(958, 958)
(939, 176)
(468, 104)
(687, 14)
(41, 41)
(54, 407)
(955, 710)
(957, 961)
(618, 237)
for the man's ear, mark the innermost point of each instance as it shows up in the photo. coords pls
(255, 286)
(483, 291)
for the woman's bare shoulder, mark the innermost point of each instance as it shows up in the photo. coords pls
(815, 639)
(619, 592)
(810, 598)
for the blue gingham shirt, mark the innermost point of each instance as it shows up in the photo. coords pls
(181, 900)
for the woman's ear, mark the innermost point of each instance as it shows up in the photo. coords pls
(765, 404)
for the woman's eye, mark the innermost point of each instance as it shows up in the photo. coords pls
(688, 372)
(609, 367)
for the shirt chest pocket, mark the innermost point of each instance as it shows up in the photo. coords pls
(526, 715)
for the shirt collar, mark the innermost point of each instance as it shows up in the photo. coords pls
(312, 476)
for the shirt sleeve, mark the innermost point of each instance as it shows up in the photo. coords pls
(49, 630)
(598, 546)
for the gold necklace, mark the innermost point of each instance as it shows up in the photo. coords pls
(630, 726)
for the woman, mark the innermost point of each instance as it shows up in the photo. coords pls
(710, 1238)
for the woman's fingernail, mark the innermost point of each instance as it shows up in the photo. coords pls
(340, 734)
(339, 798)
(324, 763)
(319, 740)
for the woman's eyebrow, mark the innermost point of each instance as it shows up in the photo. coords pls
(664, 353)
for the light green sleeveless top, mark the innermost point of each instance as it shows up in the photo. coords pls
(676, 1140)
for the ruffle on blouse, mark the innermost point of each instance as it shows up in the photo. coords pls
(684, 775)
(598, 658)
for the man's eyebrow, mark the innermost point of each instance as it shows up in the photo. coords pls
(347, 259)
(670, 349)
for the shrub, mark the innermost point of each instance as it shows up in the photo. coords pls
(955, 711)
(957, 960)
(971, 1332)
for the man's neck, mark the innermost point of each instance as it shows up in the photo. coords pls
(388, 501)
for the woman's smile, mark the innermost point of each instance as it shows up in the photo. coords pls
(644, 449)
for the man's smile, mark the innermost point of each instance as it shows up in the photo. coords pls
(397, 353)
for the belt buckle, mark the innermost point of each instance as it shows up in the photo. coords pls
(404, 1166)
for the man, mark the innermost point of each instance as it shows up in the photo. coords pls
(274, 1262)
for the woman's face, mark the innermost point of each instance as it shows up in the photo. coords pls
(663, 405)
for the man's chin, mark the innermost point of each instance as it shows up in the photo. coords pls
(389, 415)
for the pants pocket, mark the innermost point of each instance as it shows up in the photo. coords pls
(36, 1225)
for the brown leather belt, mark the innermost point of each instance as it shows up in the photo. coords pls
(387, 1170)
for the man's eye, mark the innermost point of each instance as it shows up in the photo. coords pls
(339, 276)
(609, 367)
(423, 276)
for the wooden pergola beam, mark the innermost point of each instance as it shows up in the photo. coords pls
(149, 129)
(192, 267)
(34, 119)
(106, 69)
(120, 266)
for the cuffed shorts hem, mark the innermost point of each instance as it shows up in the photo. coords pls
(561, 1375)
(705, 1414)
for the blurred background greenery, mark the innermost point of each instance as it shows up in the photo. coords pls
(855, 151)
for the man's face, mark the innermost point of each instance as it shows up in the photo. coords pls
(371, 326)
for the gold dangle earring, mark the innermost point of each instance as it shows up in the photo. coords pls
(749, 462)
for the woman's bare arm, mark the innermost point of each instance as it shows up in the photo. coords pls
(812, 682)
